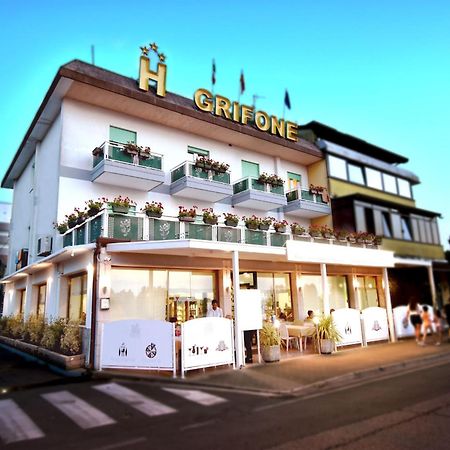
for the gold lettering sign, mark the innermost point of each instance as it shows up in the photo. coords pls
(223, 107)
(146, 74)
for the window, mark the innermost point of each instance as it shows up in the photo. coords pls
(338, 295)
(390, 184)
(311, 293)
(294, 180)
(21, 294)
(337, 167)
(406, 228)
(276, 294)
(355, 174)
(370, 221)
(386, 221)
(198, 151)
(76, 305)
(250, 169)
(373, 178)
(404, 188)
(42, 294)
(367, 291)
(121, 136)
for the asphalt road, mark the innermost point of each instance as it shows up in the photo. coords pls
(404, 411)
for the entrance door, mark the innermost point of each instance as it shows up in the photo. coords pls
(367, 291)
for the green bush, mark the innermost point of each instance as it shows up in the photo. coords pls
(52, 334)
(15, 326)
(71, 338)
(34, 329)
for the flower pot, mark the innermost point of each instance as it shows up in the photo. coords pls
(280, 229)
(97, 151)
(326, 346)
(186, 219)
(120, 209)
(80, 220)
(231, 223)
(315, 235)
(210, 221)
(271, 353)
(153, 214)
(252, 226)
(93, 212)
(264, 227)
(71, 223)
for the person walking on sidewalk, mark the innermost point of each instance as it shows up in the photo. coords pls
(426, 320)
(438, 324)
(413, 314)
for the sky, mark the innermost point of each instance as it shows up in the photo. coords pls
(378, 70)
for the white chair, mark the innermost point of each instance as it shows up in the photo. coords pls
(310, 332)
(286, 339)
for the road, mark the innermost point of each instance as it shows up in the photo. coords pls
(407, 411)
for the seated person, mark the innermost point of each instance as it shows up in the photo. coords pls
(309, 318)
(282, 317)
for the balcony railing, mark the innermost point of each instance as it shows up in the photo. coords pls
(116, 152)
(247, 183)
(138, 227)
(190, 169)
(304, 194)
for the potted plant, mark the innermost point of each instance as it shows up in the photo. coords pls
(315, 231)
(297, 229)
(231, 220)
(263, 178)
(71, 220)
(275, 180)
(209, 217)
(223, 167)
(61, 227)
(145, 152)
(264, 224)
(131, 148)
(153, 209)
(351, 237)
(121, 204)
(315, 189)
(187, 215)
(94, 206)
(269, 339)
(327, 232)
(204, 162)
(328, 334)
(341, 235)
(280, 226)
(252, 223)
(98, 151)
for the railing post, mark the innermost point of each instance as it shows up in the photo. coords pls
(146, 228)
(105, 218)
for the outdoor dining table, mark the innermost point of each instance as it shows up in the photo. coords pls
(302, 331)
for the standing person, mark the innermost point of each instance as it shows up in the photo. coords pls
(215, 311)
(413, 314)
(447, 315)
(426, 320)
(439, 324)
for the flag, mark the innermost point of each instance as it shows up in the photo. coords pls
(213, 77)
(287, 101)
(242, 81)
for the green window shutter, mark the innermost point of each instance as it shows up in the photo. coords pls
(294, 176)
(122, 136)
(198, 151)
(250, 169)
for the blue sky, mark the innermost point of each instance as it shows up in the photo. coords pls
(377, 70)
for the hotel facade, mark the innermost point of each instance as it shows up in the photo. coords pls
(98, 134)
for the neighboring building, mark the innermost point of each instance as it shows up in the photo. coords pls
(371, 192)
(5, 218)
(77, 148)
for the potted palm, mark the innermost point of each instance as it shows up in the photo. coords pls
(328, 334)
(269, 339)
(153, 209)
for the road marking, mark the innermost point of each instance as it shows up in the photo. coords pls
(124, 444)
(197, 425)
(138, 401)
(15, 425)
(76, 409)
(202, 398)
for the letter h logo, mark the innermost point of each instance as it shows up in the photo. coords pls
(146, 74)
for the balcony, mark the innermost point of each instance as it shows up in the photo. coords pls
(250, 193)
(302, 203)
(138, 227)
(198, 183)
(114, 166)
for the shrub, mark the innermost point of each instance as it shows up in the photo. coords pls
(71, 339)
(34, 329)
(53, 331)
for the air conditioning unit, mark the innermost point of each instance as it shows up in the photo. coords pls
(44, 246)
(21, 258)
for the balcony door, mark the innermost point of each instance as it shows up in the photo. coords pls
(250, 169)
(294, 181)
(121, 136)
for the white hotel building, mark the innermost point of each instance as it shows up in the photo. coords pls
(161, 268)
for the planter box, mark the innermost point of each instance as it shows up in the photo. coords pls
(326, 346)
(264, 227)
(210, 221)
(280, 230)
(67, 362)
(231, 223)
(93, 212)
(32, 349)
(186, 219)
(155, 215)
(120, 209)
(271, 354)
(251, 226)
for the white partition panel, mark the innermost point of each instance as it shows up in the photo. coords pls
(348, 323)
(375, 324)
(403, 327)
(250, 309)
(206, 342)
(138, 344)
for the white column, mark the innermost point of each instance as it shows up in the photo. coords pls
(28, 298)
(325, 289)
(8, 300)
(387, 296)
(53, 291)
(432, 285)
(238, 336)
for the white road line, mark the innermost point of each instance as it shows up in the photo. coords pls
(202, 398)
(138, 401)
(15, 425)
(123, 444)
(76, 409)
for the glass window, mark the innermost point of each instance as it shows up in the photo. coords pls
(250, 169)
(406, 228)
(311, 293)
(404, 188)
(76, 306)
(42, 294)
(338, 292)
(373, 178)
(197, 151)
(121, 136)
(21, 294)
(367, 291)
(337, 167)
(276, 294)
(390, 184)
(386, 220)
(355, 174)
